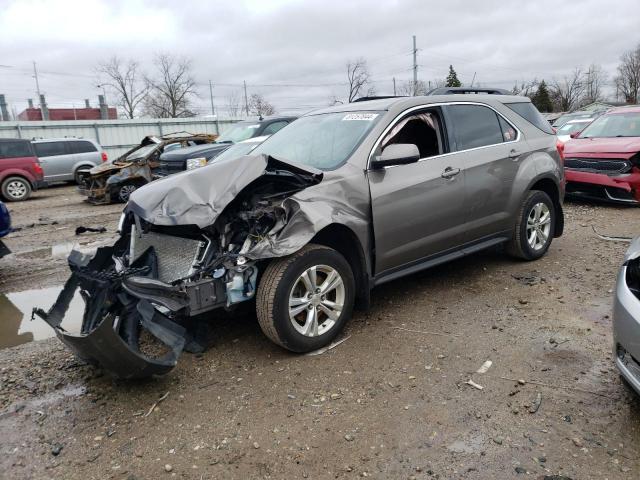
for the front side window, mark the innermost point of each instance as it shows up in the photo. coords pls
(474, 126)
(421, 129)
(49, 149)
(323, 141)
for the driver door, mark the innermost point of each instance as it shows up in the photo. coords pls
(418, 208)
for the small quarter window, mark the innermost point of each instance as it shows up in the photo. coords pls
(509, 133)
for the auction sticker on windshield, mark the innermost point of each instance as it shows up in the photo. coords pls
(360, 116)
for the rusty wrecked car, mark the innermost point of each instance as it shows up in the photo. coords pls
(115, 181)
(337, 202)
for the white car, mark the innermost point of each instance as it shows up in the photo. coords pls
(572, 126)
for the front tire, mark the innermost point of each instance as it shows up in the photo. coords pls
(16, 189)
(304, 300)
(534, 228)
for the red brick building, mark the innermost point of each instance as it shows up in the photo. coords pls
(31, 114)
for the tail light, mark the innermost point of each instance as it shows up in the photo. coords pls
(560, 147)
(104, 156)
(38, 169)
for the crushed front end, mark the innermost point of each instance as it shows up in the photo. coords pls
(178, 257)
(607, 177)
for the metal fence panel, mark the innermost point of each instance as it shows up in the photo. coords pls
(115, 136)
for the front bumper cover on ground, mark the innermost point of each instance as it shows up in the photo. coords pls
(109, 335)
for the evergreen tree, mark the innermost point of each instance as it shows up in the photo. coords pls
(452, 78)
(542, 98)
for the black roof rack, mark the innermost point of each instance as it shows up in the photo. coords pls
(381, 97)
(468, 90)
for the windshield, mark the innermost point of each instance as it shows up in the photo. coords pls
(569, 128)
(235, 151)
(141, 152)
(614, 125)
(239, 132)
(322, 141)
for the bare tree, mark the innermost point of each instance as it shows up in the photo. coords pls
(234, 107)
(594, 80)
(628, 79)
(359, 79)
(260, 106)
(172, 89)
(567, 92)
(526, 89)
(124, 79)
(406, 88)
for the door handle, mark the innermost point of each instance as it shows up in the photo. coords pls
(514, 154)
(450, 172)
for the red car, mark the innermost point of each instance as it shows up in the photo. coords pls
(20, 170)
(603, 161)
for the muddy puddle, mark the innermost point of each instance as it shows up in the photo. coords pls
(16, 326)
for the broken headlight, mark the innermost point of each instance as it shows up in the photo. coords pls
(196, 162)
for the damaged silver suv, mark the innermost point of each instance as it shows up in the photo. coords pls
(336, 203)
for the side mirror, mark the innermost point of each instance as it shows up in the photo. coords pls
(575, 134)
(396, 154)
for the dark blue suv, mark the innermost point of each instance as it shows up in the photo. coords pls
(5, 228)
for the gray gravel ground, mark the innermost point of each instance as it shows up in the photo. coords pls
(391, 402)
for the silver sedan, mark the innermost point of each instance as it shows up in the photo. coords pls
(626, 317)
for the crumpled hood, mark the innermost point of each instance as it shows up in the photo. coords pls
(623, 145)
(198, 197)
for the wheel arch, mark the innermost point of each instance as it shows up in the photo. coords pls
(550, 186)
(345, 241)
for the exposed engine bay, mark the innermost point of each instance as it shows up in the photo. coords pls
(165, 269)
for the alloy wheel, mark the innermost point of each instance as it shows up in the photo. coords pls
(16, 189)
(316, 300)
(538, 226)
(125, 192)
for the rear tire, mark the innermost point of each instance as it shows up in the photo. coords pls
(304, 300)
(125, 191)
(16, 189)
(534, 228)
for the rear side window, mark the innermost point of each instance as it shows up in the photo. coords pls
(49, 149)
(15, 149)
(82, 147)
(474, 126)
(530, 113)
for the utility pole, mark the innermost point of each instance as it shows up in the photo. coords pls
(394, 86)
(474, 79)
(415, 67)
(35, 75)
(213, 109)
(246, 102)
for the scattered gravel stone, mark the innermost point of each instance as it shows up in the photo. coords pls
(349, 438)
(168, 468)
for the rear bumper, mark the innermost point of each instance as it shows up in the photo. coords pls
(623, 188)
(626, 331)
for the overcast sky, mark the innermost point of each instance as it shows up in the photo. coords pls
(294, 52)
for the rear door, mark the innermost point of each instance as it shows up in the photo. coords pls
(85, 153)
(490, 148)
(54, 158)
(417, 208)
